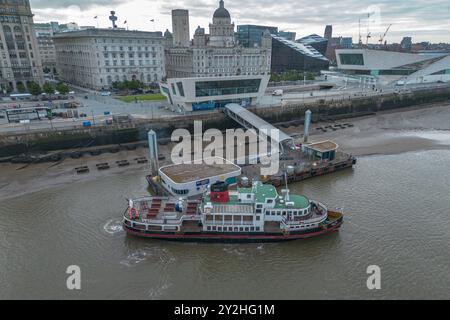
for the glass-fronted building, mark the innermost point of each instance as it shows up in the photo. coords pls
(194, 94)
(289, 55)
(317, 42)
(250, 36)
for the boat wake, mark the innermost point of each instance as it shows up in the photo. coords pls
(113, 226)
(153, 255)
(155, 293)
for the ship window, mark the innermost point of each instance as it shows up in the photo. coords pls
(284, 213)
(247, 229)
(249, 196)
(236, 229)
(257, 228)
(258, 218)
(214, 228)
(279, 213)
(252, 228)
(241, 229)
(258, 211)
(289, 212)
(219, 228)
(208, 228)
(259, 206)
(269, 200)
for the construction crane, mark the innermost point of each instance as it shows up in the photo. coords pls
(384, 35)
(369, 35)
(360, 37)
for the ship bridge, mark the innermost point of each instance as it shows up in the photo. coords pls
(250, 120)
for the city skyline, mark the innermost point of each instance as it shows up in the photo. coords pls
(409, 18)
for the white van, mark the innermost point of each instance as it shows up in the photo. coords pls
(277, 93)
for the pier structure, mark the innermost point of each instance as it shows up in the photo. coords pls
(250, 120)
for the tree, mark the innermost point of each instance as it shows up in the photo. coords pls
(48, 88)
(62, 88)
(134, 85)
(34, 88)
(21, 87)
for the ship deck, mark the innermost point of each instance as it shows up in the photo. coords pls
(163, 208)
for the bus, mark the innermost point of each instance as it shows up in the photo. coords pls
(20, 96)
(17, 115)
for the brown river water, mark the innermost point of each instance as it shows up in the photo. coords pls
(398, 217)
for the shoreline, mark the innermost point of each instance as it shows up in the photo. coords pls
(387, 133)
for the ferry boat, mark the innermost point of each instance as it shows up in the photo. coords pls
(255, 214)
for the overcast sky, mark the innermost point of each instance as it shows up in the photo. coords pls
(421, 19)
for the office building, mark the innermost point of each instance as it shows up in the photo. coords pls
(180, 28)
(44, 35)
(19, 54)
(250, 36)
(95, 58)
(287, 35)
(317, 42)
(289, 55)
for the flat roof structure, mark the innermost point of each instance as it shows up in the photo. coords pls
(185, 173)
(323, 146)
(250, 120)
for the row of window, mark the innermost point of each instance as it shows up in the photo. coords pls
(130, 62)
(287, 213)
(234, 229)
(130, 55)
(130, 41)
(226, 87)
(179, 192)
(114, 48)
(305, 226)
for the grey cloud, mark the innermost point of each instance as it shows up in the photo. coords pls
(83, 4)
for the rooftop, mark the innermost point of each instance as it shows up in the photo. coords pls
(303, 48)
(300, 202)
(185, 173)
(95, 32)
(221, 12)
(323, 146)
(262, 192)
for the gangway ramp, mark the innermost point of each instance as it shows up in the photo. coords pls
(250, 120)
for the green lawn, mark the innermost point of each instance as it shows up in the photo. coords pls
(143, 97)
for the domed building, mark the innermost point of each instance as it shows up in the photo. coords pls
(221, 30)
(217, 56)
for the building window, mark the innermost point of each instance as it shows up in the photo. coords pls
(180, 88)
(226, 87)
(356, 59)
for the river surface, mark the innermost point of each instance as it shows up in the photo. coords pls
(398, 217)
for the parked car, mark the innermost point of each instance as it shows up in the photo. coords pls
(277, 93)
